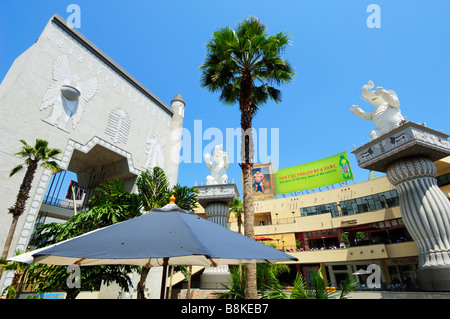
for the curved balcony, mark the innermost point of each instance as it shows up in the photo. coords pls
(379, 251)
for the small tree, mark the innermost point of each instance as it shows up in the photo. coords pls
(154, 191)
(20, 270)
(345, 240)
(237, 208)
(112, 204)
(41, 154)
(319, 288)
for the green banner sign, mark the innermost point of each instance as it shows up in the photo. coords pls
(323, 172)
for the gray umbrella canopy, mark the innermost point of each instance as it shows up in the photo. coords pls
(167, 235)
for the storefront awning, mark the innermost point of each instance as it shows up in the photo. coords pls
(361, 228)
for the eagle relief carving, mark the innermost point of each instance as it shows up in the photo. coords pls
(67, 95)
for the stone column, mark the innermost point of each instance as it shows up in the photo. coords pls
(407, 156)
(214, 199)
(217, 212)
(425, 209)
(426, 214)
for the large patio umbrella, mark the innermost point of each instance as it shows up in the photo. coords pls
(164, 236)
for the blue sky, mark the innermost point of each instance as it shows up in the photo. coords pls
(334, 52)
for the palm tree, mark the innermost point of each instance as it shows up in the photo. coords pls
(32, 156)
(111, 203)
(152, 186)
(20, 269)
(242, 65)
(154, 190)
(266, 278)
(319, 289)
(237, 208)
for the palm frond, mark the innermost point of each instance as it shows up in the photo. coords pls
(247, 48)
(15, 170)
(152, 186)
(349, 285)
(51, 165)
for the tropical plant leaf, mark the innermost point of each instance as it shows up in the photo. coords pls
(15, 170)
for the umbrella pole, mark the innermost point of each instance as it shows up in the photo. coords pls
(163, 282)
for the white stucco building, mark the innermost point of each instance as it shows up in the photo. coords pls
(63, 89)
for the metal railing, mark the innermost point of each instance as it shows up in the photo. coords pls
(58, 202)
(274, 221)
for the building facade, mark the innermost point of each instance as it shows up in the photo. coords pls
(65, 90)
(344, 230)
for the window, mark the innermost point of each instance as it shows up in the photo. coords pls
(320, 209)
(443, 180)
(369, 203)
(324, 233)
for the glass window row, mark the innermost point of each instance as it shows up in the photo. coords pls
(356, 205)
(370, 203)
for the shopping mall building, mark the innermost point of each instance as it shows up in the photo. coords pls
(313, 228)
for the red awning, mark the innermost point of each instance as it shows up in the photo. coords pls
(362, 228)
(263, 238)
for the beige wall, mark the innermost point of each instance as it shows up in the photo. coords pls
(381, 251)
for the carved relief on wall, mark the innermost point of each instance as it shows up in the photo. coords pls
(155, 150)
(67, 95)
(118, 125)
(104, 75)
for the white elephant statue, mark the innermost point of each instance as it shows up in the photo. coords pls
(218, 165)
(386, 116)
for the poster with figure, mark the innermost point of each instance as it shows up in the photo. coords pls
(263, 183)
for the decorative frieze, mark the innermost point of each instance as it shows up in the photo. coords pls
(410, 139)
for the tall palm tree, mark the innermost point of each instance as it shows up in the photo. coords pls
(32, 155)
(242, 65)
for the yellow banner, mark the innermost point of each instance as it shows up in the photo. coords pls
(323, 172)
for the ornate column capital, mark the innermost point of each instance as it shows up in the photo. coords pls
(409, 168)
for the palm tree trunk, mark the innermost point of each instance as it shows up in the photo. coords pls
(8, 242)
(250, 269)
(72, 293)
(22, 282)
(141, 284)
(170, 284)
(188, 292)
(239, 222)
(245, 104)
(19, 206)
